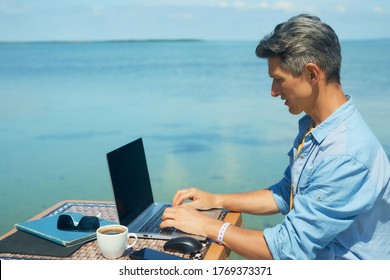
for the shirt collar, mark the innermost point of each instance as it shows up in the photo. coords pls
(321, 131)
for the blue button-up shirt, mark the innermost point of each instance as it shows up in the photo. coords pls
(341, 184)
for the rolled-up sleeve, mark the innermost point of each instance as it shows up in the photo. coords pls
(330, 196)
(281, 192)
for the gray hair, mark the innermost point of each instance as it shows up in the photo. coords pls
(301, 40)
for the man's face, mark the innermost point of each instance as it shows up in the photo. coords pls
(296, 91)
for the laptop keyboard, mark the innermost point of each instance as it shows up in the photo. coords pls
(153, 225)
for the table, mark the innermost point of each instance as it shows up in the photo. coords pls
(90, 251)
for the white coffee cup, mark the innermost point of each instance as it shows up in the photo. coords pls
(113, 240)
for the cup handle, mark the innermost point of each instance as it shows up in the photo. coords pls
(134, 241)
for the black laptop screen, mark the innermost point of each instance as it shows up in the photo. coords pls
(130, 180)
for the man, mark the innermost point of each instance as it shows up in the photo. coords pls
(335, 192)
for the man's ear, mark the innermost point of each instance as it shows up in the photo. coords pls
(313, 72)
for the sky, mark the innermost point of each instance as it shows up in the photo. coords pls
(85, 20)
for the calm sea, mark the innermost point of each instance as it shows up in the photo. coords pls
(203, 109)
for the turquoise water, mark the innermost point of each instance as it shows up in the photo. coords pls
(203, 109)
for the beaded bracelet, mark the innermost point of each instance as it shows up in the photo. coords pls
(222, 232)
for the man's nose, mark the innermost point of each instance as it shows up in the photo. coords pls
(275, 89)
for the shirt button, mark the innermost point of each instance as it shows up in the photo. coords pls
(302, 156)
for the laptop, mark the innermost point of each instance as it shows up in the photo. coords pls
(133, 194)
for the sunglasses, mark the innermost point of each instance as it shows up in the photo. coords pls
(87, 223)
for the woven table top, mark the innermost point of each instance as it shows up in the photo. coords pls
(90, 250)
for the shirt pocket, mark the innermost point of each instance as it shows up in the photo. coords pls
(305, 188)
(304, 181)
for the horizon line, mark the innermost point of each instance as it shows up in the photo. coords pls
(100, 41)
(151, 40)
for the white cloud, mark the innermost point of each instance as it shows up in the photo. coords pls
(340, 9)
(97, 10)
(223, 4)
(240, 4)
(378, 10)
(263, 5)
(283, 6)
(286, 6)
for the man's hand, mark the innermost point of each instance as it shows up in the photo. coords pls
(187, 219)
(200, 199)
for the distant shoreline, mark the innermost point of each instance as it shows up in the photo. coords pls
(101, 41)
(156, 41)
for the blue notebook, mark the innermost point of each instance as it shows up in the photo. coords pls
(47, 228)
